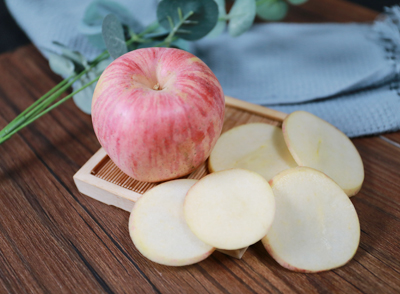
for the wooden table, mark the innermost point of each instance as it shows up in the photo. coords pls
(55, 240)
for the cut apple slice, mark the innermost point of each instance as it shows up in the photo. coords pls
(257, 146)
(315, 143)
(230, 209)
(158, 228)
(316, 227)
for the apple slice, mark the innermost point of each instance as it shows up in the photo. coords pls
(315, 143)
(230, 209)
(257, 146)
(316, 227)
(158, 228)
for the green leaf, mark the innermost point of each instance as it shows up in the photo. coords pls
(218, 29)
(101, 66)
(76, 57)
(113, 35)
(61, 65)
(157, 35)
(99, 9)
(241, 17)
(297, 2)
(273, 10)
(192, 19)
(181, 44)
(221, 7)
(91, 24)
(97, 40)
(221, 24)
(83, 99)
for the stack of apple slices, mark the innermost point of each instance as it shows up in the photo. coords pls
(304, 140)
(182, 222)
(303, 216)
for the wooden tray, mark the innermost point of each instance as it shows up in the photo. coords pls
(102, 180)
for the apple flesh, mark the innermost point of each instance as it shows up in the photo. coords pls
(230, 209)
(158, 113)
(316, 227)
(315, 143)
(159, 230)
(257, 146)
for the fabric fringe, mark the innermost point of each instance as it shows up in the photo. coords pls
(387, 27)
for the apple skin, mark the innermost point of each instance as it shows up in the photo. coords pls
(159, 134)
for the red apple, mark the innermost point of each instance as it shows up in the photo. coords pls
(158, 113)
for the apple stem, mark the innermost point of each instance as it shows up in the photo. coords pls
(156, 87)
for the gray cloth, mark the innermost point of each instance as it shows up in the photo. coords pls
(345, 73)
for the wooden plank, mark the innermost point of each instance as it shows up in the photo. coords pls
(54, 240)
(42, 221)
(256, 272)
(330, 11)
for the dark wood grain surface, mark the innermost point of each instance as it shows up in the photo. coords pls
(55, 240)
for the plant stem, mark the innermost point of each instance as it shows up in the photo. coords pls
(36, 110)
(9, 135)
(156, 35)
(57, 94)
(150, 28)
(42, 105)
(168, 40)
(23, 115)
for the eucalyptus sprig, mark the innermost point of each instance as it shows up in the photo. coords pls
(109, 26)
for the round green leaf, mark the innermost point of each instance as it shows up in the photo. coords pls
(193, 19)
(221, 24)
(181, 44)
(241, 16)
(218, 29)
(113, 35)
(272, 9)
(97, 40)
(76, 57)
(101, 66)
(61, 65)
(83, 99)
(91, 24)
(98, 9)
(297, 2)
(221, 7)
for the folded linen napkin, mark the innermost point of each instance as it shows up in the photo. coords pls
(344, 73)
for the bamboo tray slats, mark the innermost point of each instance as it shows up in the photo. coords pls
(108, 171)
